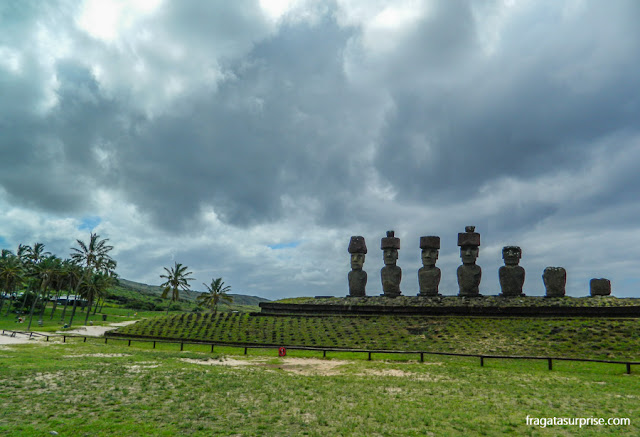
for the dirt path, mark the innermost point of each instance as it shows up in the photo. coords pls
(89, 331)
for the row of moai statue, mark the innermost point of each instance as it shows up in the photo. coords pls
(469, 274)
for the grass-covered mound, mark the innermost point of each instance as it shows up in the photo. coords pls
(567, 337)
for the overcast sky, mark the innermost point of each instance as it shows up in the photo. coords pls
(250, 140)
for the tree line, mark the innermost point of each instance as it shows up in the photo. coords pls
(86, 274)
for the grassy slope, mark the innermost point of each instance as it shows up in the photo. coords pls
(104, 390)
(575, 337)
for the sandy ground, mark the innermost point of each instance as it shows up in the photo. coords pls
(89, 331)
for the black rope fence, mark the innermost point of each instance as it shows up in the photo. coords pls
(324, 350)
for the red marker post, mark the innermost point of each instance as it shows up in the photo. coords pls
(282, 351)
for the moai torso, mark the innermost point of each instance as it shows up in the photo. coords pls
(357, 283)
(391, 277)
(428, 280)
(555, 279)
(469, 276)
(511, 280)
(600, 287)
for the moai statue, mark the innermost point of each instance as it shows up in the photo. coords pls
(429, 274)
(357, 277)
(511, 274)
(554, 278)
(390, 274)
(469, 274)
(600, 287)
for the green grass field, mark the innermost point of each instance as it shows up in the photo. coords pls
(93, 389)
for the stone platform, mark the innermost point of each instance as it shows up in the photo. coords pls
(485, 306)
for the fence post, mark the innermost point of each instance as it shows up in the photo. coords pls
(64, 338)
(47, 338)
(212, 347)
(85, 340)
(422, 357)
(629, 368)
(105, 340)
(550, 363)
(154, 344)
(324, 354)
(129, 342)
(481, 361)
(181, 346)
(369, 356)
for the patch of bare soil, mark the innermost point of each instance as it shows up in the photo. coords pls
(97, 355)
(97, 331)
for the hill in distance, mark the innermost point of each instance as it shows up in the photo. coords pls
(155, 290)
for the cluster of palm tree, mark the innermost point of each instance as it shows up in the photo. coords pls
(86, 274)
(177, 278)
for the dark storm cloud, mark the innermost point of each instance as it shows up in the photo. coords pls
(284, 123)
(533, 107)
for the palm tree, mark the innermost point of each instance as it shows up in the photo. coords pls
(36, 253)
(46, 270)
(93, 288)
(176, 280)
(11, 274)
(217, 292)
(94, 257)
(73, 274)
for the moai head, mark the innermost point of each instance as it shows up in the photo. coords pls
(469, 243)
(430, 246)
(511, 255)
(390, 245)
(357, 249)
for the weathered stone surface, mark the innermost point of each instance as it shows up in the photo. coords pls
(391, 274)
(469, 274)
(511, 275)
(555, 279)
(429, 275)
(600, 287)
(469, 237)
(430, 242)
(357, 245)
(357, 277)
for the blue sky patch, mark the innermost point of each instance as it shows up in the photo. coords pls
(3, 242)
(88, 223)
(284, 245)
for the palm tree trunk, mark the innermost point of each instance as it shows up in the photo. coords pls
(86, 319)
(64, 310)
(55, 304)
(96, 307)
(75, 300)
(45, 298)
(33, 306)
(24, 301)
